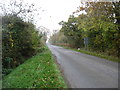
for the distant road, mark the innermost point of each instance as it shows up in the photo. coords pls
(86, 71)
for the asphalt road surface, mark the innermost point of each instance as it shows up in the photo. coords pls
(86, 71)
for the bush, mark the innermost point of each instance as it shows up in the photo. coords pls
(20, 41)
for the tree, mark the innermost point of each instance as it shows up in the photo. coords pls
(20, 39)
(100, 24)
(18, 8)
(72, 32)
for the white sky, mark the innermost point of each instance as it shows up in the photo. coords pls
(55, 11)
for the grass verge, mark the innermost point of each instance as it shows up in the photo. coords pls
(111, 58)
(40, 71)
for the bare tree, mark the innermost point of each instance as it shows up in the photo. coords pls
(18, 8)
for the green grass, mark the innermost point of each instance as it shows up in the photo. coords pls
(101, 55)
(40, 71)
(0, 84)
(114, 59)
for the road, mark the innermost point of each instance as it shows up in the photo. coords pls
(86, 71)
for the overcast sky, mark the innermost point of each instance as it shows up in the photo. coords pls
(54, 11)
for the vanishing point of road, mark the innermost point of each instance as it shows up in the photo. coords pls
(86, 71)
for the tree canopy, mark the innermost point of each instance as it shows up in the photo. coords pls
(100, 25)
(20, 38)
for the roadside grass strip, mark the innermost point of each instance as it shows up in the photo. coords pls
(114, 59)
(101, 55)
(40, 71)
